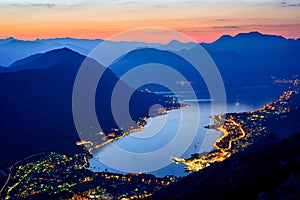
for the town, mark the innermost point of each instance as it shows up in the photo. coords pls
(240, 130)
(66, 177)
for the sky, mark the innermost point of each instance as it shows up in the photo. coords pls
(202, 20)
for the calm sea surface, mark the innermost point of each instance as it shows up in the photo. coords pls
(180, 133)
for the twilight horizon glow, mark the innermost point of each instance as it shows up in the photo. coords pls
(202, 20)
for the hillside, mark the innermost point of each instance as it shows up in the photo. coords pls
(269, 173)
(255, 57)
(263, 165)
(36, 104)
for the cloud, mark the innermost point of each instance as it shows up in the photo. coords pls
(45, 5)
(222, 20)
(290, 3)
(40, 4)
(126, 2)
(291, 25)
(229, 27)
(254, 26)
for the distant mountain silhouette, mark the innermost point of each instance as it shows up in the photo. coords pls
(177, 45)
(24, 61)
(169, 59)
(247, 57)
(245, 60)
(255, 57)
(12, 49)
(36, 104)
(46, 60)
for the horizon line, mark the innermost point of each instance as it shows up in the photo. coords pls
(94, 39)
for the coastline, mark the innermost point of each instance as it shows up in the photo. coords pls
(119, 134)
(240, 130)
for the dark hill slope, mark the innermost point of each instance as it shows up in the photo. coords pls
(272, 172)
(36, 104)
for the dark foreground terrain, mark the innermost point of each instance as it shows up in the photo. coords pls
(264, 171)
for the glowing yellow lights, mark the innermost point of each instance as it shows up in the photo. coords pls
(83, 142)
(222, 153)
(234, 137)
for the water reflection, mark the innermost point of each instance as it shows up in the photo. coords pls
(160, 131)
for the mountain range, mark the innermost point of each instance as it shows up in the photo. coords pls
(36, 84)
(12, 49)
(37, 79)
(36, 103)
(254, 56)
(248, 57)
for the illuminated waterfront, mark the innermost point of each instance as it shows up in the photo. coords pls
(66, 176)
(240, 130)
(160, 130)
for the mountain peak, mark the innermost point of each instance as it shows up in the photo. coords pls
(48, 59)
(224, 37)
(10, 38)
(62, 51)
(175, 42)
(178, 45)
(252, 33)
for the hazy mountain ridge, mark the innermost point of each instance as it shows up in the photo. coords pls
(163, 66)
(247, 57)
(246, 60)
(250, 56)
(45, 60)
(12, 49)
(36, 104)
(36, 112)
(28, 86)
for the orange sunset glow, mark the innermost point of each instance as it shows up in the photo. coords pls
(202, 20)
